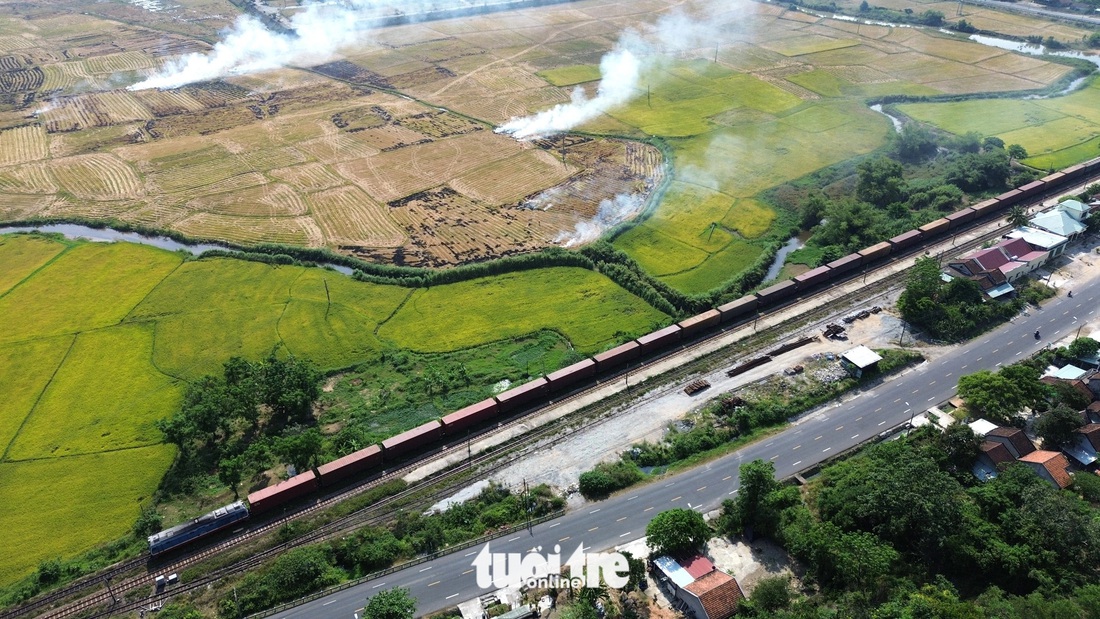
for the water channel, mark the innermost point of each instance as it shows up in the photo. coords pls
(109, 235)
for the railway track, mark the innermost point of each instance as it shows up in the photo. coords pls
(820, 312)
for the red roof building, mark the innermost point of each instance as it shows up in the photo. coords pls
(1012, 438)
(1092, 433)
(696, 565)
(997, 453)
(1051, 466)
(717, 593)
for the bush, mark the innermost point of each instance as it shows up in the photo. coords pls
(608, 477)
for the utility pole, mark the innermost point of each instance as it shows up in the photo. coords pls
(527, 503)
(715, 54)
(648, 96)
(107, 581)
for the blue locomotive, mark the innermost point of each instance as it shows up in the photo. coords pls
(203, 525)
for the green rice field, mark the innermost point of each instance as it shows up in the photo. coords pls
(584, 306)
(1057, 132)
(104, 338)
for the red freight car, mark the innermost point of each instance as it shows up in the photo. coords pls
(411, 440)
(518, 396)
(1033, 188)
(813, 277)
(1008, 198)
(987, 206)
(571, 374)
(845, 264)
(906, 239)
(349, 465)
(617, 356)
(464, 418)
(778, 292)
(706, 320)
(876, 251)
(660, 338)
(741, 307)
(960, 217)
(935, 228)
(1054, 179)
(282, 492)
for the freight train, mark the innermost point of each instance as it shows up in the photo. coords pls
(459, 423)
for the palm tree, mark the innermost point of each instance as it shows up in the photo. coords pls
(1017, 216)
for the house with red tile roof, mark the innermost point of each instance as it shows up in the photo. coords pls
(992, 458)
(1051, 466)
(1014, 439)
(995, 266)
(695, 585)
(716, 594)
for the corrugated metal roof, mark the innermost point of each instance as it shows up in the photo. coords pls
(999, 291)
(673, 571)
(981, 427)
(1069, 372)
(862, 357)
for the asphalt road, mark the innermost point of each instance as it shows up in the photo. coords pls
(450, 580)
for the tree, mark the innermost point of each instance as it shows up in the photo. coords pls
(931, 18)
(289, 387)
(1017, 152)
(812, 210)
(992, 142)
(300, 449)
(1017, 216)
(677, 531)
(880, 182)
(991, 396)
(749, 509)
(148, 523)
(772, 593)
(960, 447)
(914, 143)
(1057, 426)
(1083, 347)
(396, 603)
(230, 472)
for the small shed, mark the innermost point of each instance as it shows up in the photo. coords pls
(859, 360)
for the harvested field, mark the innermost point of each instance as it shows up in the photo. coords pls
(401, 172)
(23, 144)
(97, 177)
(116, 63)
(349, 217)
(308, 177)
(14, 207)
(168, 102)
(528, 172)
(269, 200)
(251, 230)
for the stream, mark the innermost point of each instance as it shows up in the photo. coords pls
(109, 235)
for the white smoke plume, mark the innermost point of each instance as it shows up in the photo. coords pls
(249, 46)
(620, 70)
(612, 212)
